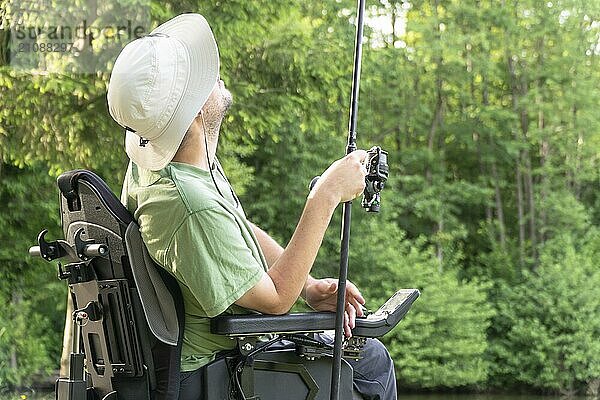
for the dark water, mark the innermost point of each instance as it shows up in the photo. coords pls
(50, 396)
(481, 397)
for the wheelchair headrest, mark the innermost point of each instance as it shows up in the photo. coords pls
(68, 185)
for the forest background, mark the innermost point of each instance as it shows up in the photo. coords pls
(489, 112)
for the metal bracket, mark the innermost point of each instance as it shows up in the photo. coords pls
(309, 347)
(246, 345)
(76, 272)
(49, 250)
(87, 249)
(353, 347)
(91, 312)
(83, 250)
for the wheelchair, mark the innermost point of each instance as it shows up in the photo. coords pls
(128, 318)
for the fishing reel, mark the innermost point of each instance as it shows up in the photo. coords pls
(377, 174)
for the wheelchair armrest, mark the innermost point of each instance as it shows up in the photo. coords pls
(373, 325)
(260, 324)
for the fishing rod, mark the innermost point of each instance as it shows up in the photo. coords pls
(336, 368)
(377, 172)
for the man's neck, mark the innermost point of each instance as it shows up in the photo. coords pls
(194, 151)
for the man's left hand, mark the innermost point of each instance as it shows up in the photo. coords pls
(321, 295)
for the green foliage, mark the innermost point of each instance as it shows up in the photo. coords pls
(60, 121)
(442, 341)
(24, 343)
(489, 112)
(547, 326)
(33, 299)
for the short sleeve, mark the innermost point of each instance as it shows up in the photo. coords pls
(210, 255)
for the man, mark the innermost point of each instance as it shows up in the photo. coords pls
(166, 91)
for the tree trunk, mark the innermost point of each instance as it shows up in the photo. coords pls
(16, 300)
(439, 102)
(437, 118)
(394, 17)
(436, 123)
(518, 174)
(576, 185)
(4, 47)
(439, 247)
(544, 158)
(414, 101)
(483, 172)
(496, 180)
(544, 149)
(499, 206)
(67, 338)
(520, 89)
(529, 187)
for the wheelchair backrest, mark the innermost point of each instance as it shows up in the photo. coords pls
(132, 336)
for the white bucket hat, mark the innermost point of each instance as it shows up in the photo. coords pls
(159, 84)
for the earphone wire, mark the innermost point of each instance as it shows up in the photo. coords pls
(217, 165)
(220, 170)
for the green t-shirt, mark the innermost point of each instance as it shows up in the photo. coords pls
(203, 239)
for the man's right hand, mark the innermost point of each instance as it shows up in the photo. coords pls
(344, 180)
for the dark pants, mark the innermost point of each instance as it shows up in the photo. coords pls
(374, 376)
